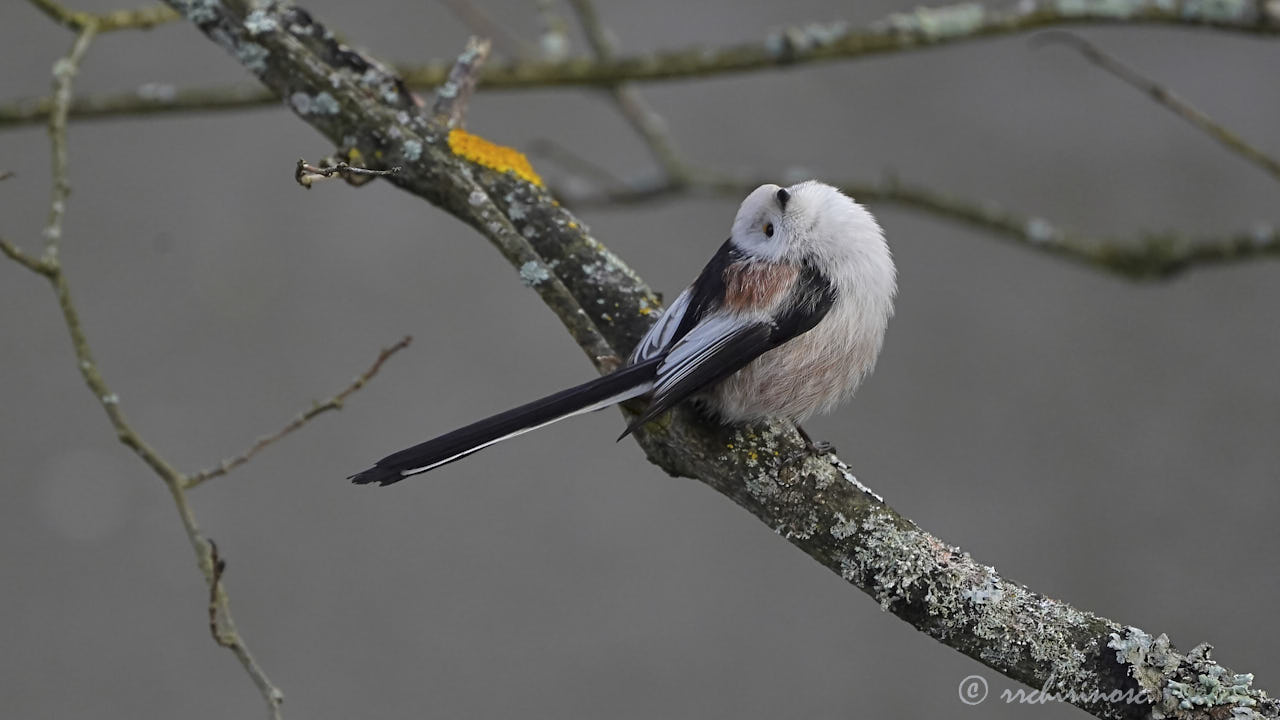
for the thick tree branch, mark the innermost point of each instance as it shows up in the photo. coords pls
(1151, 255)
(900, 32)
(816, 504)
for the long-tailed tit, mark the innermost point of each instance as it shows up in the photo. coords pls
(784, 321)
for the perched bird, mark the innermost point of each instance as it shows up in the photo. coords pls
(785, 320)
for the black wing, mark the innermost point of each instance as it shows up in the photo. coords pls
(723, 343)
(704, 296)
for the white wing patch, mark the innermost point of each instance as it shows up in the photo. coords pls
(702, 342)
(659, 336)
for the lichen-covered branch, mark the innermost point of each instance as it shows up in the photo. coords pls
(1148, 255)
(815, 503)
(64, 72)
(900, 32)
(142, 18)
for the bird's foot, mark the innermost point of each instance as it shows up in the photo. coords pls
(811, 447)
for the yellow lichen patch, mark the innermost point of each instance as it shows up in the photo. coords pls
(500, 158)
(646, 310)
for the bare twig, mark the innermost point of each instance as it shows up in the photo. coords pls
(334, 403)
(35, 265)
(453, 96)
(643, 118)
(1150, 255)
(143, 18)
(901, 32)
(50, 267)
(215, 585)
(482, 23)
(1164, 96)
(64, 72)
(307, 174)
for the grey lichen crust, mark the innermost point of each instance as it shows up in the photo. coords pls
(815, 503)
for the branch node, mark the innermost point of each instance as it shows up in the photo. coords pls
(453, 96)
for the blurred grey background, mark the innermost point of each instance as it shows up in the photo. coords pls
(1106, 443)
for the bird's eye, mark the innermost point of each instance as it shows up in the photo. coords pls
(768, 229)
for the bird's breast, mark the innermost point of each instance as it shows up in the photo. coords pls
(808, 374)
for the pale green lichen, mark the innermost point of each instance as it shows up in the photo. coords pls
(1261, 233)
(198, 11)
(533, 273)
(942, 22)
(412, 150)
(321, 104)
(1097, 8)
(157, 92)
(805, 38)
(843, 527)
(1216, 10)
(254, 57)
(260, 21)
(1206, 684)
(1041, 231)
(892, 559)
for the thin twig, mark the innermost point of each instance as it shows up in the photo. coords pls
(35, 265)
(643, 118)
(334, 403)
(901, 32)
(50, 267)
(482, 23)
(142, 18)
(1164, 96)
(215, 585)
(307, 174)
(453, 96)
(64, 72)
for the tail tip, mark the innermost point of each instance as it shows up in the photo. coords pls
(379, 475)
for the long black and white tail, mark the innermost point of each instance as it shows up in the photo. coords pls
(613, 388)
